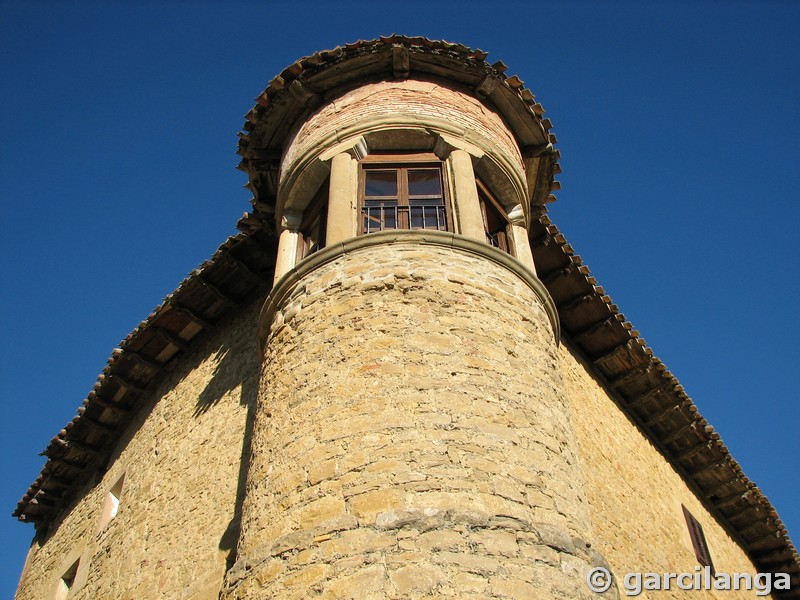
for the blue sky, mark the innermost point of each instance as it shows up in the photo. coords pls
(677, 123)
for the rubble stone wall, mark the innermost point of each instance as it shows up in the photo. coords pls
(634, 493)
(411, 438)
(181, 458)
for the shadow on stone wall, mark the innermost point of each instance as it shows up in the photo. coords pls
(236, 366)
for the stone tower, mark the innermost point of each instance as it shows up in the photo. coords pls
(410, 373)
(398, 381)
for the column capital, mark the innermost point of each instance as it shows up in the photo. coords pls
(446, 145)
(356, 147)
(291, 219)
(517, 215)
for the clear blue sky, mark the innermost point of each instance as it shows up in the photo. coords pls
(678, 125)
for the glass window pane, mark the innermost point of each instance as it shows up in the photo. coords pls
(426, 202)
(381, 183)
(424, 182)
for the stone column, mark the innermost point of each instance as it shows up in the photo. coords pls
(467, 205)
(342, 200)
(287, 243)
(522, 247)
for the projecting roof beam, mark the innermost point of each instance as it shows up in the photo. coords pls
(171, 338)
(219, 294)
(192, 316)
(126, 384)
(103, 403)
(683, 429)
(241, 266)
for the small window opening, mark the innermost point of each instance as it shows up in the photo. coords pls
(496, 223)
(111, 503)
(699, 544)
(402, 195)
(67, 581)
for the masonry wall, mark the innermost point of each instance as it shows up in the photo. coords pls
(411, 439)
(634, 495)
(181, 458)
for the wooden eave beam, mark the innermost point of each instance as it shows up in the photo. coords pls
(128, 385)
(674, 435)
(659, 415)
(731, 499)
(219, 294)
(97, 425)
(694, 450)
(153, 365)
(576, 302)
(242, 266)
(565, 271)
(70, 463)
(707, 467)
(650, 395)
(629, 376)
(103, 403)
(586, 333)
(82, 447)
(192, 316)
(171, 338)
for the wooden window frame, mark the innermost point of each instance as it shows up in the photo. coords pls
(505, 241)
(402, 163)
(698, 537)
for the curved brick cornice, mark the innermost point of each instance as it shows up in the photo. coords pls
(458, 243)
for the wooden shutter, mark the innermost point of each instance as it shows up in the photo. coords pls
(698, 540)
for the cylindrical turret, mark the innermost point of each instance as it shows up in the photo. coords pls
(411, 437)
